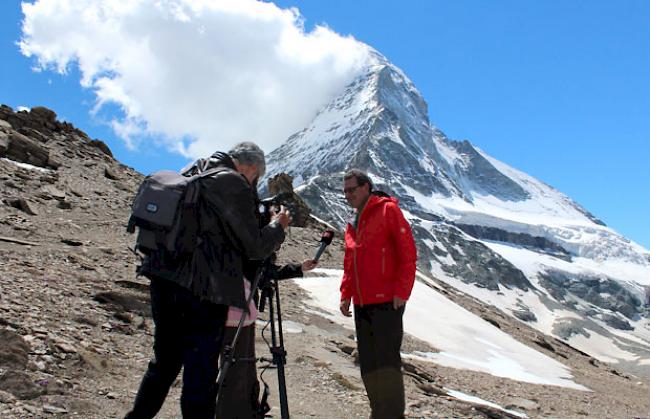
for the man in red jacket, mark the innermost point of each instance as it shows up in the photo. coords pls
(378, 276)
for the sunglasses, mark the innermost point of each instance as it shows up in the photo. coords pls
(350, 190)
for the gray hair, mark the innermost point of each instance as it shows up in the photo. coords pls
(361, 177)
(249, 153)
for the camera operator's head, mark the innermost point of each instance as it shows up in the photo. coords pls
(249, 161)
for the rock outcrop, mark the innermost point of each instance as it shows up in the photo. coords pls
(23, 136)
(282, 184)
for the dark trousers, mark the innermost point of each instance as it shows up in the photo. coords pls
(379, 339)
(239, 393)
(188, 333)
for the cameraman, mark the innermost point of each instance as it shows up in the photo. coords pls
(190, 295)
(239, 394)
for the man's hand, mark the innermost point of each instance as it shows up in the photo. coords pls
(398, 302)
(345, 308)
(308, 265)
(282, 217)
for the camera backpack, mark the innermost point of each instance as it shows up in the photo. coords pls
(165, 212)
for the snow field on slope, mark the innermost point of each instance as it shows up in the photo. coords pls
(531, 263)
(465, 340)
(547, 214)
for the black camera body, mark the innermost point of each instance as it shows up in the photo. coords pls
(270, 205)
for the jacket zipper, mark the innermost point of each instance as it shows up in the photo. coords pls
(356, 274)
(356, 240)
(383, 260)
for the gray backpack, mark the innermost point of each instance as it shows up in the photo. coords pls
(165, 211)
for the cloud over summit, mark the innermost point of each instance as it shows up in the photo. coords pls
(197, 75)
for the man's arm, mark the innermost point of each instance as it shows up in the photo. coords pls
(232, 198)
(290, 270)
(346, 284)
(405, 251)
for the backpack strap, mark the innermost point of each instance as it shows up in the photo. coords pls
(192, 194)
(210, 172)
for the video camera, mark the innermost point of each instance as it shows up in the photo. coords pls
(268, 206)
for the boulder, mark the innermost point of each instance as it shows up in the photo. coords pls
(6, 397)
(347, 346)
(21, 149)
(54, 410)
(7, 114)
(13, 351)
(521, 403)
(53, 163)
(51, 178)
(37, 120)
(43, 114)
(34, 134)
(283, 184)
(4, 143)
(102, 147)
(525, 315)
(20, 385)
(22, 204)
(120, 302)
(109, 173)
(50, 192)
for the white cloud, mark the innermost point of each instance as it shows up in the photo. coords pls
(212, 71)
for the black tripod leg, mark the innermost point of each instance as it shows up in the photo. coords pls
(278, 352)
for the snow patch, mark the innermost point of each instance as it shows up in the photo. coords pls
(473, 399)
(465, 340)
(26, 165)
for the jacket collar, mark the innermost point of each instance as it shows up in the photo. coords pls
(376, 199)
(216, 160)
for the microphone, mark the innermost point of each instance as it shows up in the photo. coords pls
(325, 240)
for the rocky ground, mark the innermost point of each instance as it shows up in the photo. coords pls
(76, 332)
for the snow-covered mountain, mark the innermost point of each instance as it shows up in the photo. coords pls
(482, 226)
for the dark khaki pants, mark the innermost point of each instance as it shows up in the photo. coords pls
(188, 334)
(238, 396)
(379, 339)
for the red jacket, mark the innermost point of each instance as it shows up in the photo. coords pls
(380, 254)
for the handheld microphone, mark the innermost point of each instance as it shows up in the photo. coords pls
(325, 240)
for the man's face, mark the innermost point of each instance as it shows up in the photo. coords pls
(250, 172)
(355, 195)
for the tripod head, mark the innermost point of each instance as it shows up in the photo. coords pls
(267, 289)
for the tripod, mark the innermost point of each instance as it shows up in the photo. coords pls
(279, 354)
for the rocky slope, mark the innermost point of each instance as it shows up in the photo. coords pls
(76, 332)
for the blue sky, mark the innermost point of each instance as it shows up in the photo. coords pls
(557, 89)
